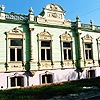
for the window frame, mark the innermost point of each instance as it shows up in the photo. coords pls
(16, 81)
(67, 49)
(14, 34)
(45, 48)
(88, 56)
(16, 48)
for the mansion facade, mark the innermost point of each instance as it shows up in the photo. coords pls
(46, 48)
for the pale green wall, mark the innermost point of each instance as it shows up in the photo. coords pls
(6, 27)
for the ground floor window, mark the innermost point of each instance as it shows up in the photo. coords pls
(17, 81)
(47, 78)
(91, 73)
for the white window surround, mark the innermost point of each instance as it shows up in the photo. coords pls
(67, 51)
(87, 41)
(46, 73)
(15, 34)
(44, 37)
(14, 75)
(66, 38)
(45, 50)
(88, 51)
(16, 50)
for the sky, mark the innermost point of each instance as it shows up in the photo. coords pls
(86, 9)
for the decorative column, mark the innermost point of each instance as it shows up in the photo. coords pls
(31, 45)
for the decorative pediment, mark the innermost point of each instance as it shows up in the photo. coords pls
(87, 38)
(54, 7)
(53, 14)
(15, 33)
(66, 37)
(53, 11)
(16, 75)
(15, 30)
(45, 35)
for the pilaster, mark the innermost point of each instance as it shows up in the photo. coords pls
(31, 45)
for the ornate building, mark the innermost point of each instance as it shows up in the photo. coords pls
(46, 48)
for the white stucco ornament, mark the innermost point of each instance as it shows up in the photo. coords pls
(31, 10)
(2, 7)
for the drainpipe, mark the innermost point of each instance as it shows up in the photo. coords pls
(61, 53)
(6, 63)
(38, 63)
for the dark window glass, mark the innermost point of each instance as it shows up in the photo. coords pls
(19, 55)
(91, 73)
(12, 54)
(19, 81)
(86, 53)
(42, 54)
(69, 54)
(66, 44)
(48, 54)
(45, 44)
(87, 45)
(65, 54)
(16, 43)
(90, 54)
(13, 82)
(49, 78)
(43, 79)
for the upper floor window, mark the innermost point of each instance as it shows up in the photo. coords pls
(66, 46)
(45, 50)
(67, 50)
(16, 50)
(45, 41)
(15, 45)
(88, 50)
